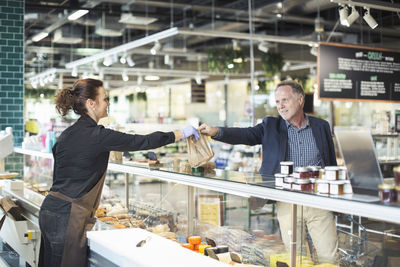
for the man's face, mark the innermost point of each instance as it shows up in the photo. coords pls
(288, 103)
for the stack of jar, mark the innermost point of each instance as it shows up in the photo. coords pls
(331, 180)
(391, 192)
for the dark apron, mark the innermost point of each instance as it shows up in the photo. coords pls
(80, 221)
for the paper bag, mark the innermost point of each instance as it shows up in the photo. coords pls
(199, 151)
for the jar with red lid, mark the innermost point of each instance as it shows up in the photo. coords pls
(387, 193)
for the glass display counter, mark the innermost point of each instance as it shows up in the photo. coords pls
(234, 209)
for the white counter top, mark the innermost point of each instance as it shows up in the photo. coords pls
(119, 247)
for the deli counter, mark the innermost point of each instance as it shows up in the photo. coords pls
(234, 209)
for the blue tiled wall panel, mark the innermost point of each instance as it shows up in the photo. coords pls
(12, 73)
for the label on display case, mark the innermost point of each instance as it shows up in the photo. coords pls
(348, 72)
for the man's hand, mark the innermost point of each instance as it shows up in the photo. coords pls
(208, 130)
(190, 130)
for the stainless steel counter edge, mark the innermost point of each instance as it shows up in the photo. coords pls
(389, 213)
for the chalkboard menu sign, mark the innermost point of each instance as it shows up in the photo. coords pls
(358, 73)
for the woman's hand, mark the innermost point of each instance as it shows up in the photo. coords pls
(190, 130)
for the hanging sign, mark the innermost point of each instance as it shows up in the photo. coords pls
(358, 73)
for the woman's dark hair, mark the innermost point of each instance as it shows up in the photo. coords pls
(76, 97)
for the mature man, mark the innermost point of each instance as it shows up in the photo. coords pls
(292, 136)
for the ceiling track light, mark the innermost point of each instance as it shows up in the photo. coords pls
(125, 76)
(130, 61)
(74, 72)
(343, 15)
(353, 16)
(369, 19)
(123, 58)
(155, 48)
(263, 47)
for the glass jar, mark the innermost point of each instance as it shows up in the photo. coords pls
(347, 188)
(279, 179)
(302, 172)
(313, 184)
(301, 184)
(314, 171)
(342, 173)
(287, 167)
(287, 182)
(323, 186)
(331, 173)
(387, 193)
(321, 174)
(336, 187)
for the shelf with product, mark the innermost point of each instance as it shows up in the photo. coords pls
(179, 204)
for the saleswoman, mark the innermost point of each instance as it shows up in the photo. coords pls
(80, 163)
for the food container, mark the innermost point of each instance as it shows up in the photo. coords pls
(287, 167)
(287, 182)
(342, 173)
(314, 171)
(301, 184)
(321, 174)
(331, 173)
(302, 172)
(387, 193)
(313, 185)
(323, 186)
(347, 188)
(279, 179)
(336, 187)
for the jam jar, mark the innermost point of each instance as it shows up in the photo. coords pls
(287, 182)
(313, 184)
(331, 173)
(279, 179)
(387, 193)
(287, 167)
(302, 172)
(314, 171)
(323, 186)
(302, 184)
(336, 187)
(342, 173)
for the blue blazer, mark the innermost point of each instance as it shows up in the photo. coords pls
(272, 134)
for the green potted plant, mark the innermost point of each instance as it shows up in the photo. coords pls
(272, 63)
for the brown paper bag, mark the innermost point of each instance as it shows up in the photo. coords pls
(199, 151)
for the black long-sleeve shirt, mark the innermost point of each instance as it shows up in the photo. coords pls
(81, 153)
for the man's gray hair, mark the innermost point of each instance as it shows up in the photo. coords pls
(296, 87)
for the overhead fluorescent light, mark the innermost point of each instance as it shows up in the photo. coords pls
(151, 77)
(77, 14)
(128, 18)
(40, 36)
